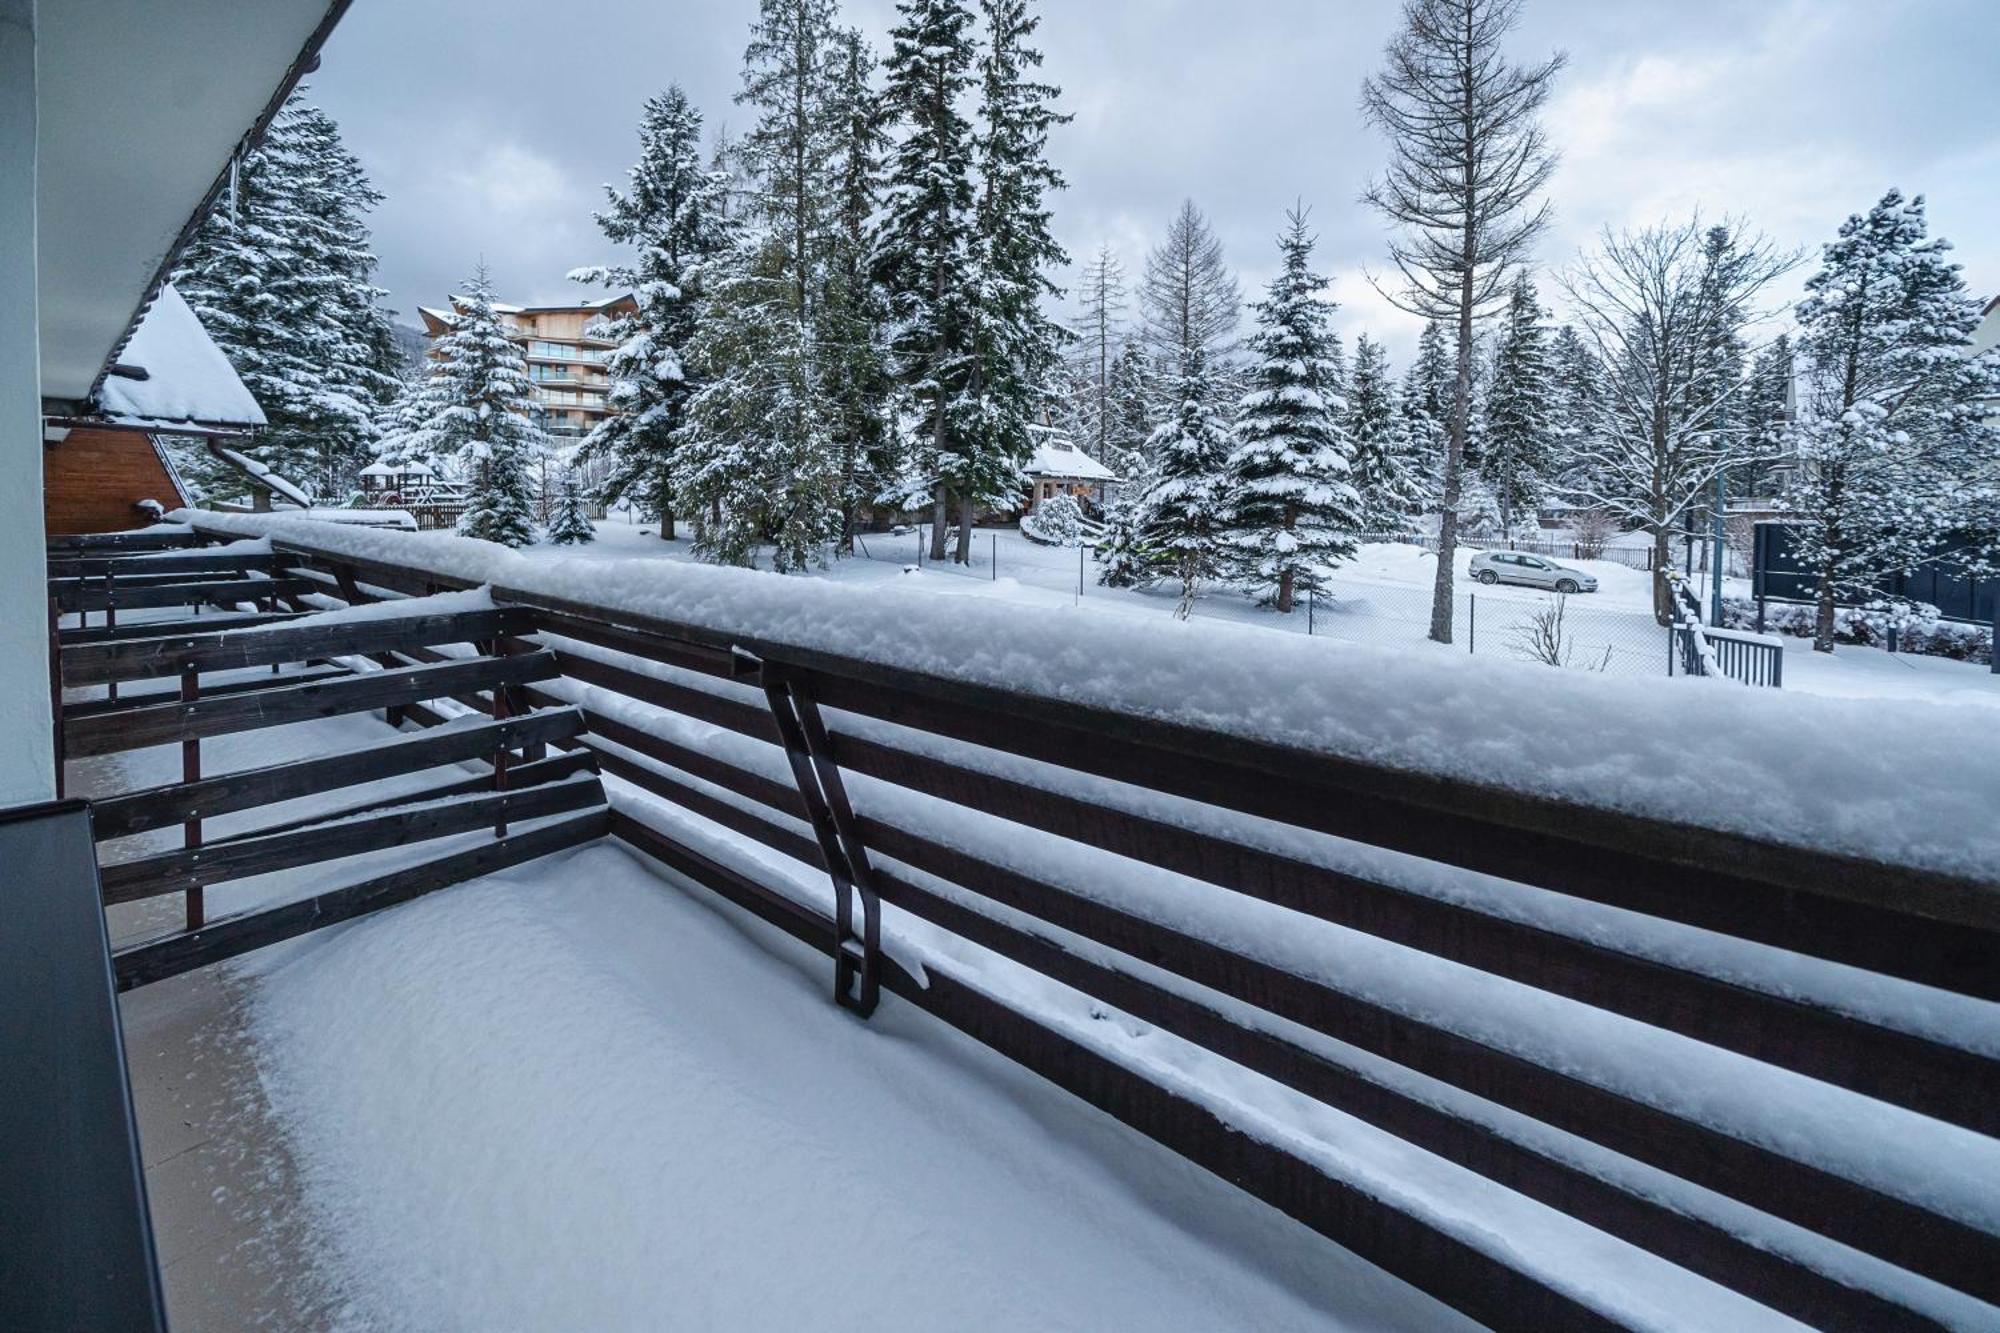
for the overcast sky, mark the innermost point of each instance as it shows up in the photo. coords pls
(491, 124)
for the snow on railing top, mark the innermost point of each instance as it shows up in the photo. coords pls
(1809, 770)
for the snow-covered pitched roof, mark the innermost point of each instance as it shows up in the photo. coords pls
(378, 470)
(1059, 458)
(189, 382)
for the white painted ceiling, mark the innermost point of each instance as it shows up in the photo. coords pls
(140, 103)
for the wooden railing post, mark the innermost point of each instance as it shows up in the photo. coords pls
(191, 772)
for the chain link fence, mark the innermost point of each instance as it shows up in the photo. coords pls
(1517, 624)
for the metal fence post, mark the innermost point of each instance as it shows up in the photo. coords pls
(994, 554)
(1472, 623)
(1312, 602)
(1081, 550)
(191, 772)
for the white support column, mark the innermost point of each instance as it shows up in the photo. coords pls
(27, 760)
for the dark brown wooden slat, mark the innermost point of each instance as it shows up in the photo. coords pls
(1694, 1243)
(520, 776)
(160, 629)
(127, 700)
(98, 663)
(157, 960)
(1919, 925)
(73, 543)
(1408, 1246)
(1943, 1081)
(93, 596)
(219, 862)
(158, 566)
(749, 719)
(1815, 1199)
(159, 807)
(1905, 1234)
(155, 724)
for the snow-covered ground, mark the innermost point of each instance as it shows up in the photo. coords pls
(1383, 596)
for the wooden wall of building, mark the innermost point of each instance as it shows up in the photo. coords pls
(93, 481)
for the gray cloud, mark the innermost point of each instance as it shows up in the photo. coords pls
(490, 125)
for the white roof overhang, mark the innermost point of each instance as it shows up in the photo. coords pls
(140, 107)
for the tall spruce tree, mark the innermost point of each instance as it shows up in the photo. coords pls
(853, 318)
(1173, 529)
(1577, 380)
(1018, 347)
(1293, 507)
(482, 405)
(282, 278)
(1517, 446)
(672, 218)
(1427, 407)
(1891, 436)
(926, 250)
(1385, 470)
(1767, 411)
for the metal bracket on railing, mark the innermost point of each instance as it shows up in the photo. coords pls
(857, 958)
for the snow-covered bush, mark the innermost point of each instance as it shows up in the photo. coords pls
(1918, 627)
(1056, 521)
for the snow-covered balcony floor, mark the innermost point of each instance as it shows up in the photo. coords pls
(576, 1095)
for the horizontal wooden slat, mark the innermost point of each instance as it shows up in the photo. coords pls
(157, 960)
(89, 542)
(226, 793)
(130, 699)
(98, 663)
(215, 863)
(1812, 1198)
(1943, 1081)
(94, 596)
(154, 724)
(158, 566)
(160, 629)
(1409, 1246)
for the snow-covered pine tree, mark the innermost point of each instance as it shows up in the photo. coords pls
(1293, 509)
(756, 462)
(854, 318)
(281, 276)
(1577, 381)
(1427, 398)
(672, 218)
(1767, 411)
(1517, 445)
(569, 525)
(483, 404)
(1018, 347)
(1175, 529)
(1385, 472)
(1891, 432)
(1132, 399)
(925, 249)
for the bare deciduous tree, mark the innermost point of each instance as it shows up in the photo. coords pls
(1188, 298)
(1468, 160)
(1659, 305)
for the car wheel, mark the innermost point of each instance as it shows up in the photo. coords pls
(1487, 576)
(1566, 586)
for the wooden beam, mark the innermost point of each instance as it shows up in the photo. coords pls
(160, 807)
(92, 596)
(128, 700)
(156, 724)
(72, 568)
(216, 863)
(76, 543)
(157, 960)
(159, 629)
(99, 663)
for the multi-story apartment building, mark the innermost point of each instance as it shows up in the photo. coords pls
(565, 359)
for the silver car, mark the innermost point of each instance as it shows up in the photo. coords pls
(1533, 571)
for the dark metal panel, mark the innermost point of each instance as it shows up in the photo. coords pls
(76, 1240)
